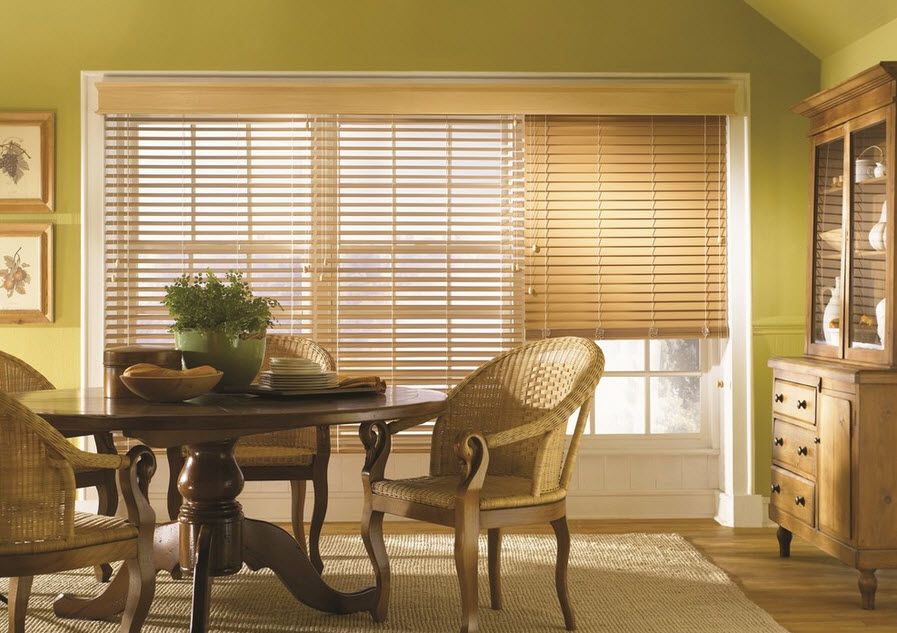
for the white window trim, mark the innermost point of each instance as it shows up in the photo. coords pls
(732, 436)
(706, 441)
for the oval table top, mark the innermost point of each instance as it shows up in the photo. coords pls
(219, 416)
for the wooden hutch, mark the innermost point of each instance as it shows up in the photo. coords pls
(834, 454)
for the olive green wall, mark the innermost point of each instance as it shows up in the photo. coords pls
(47, 43)
(879, 45)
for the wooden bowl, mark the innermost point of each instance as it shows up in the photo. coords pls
(171, 388)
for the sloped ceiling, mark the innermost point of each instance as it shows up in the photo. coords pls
(825, 26)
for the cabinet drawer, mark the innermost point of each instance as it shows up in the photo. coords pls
(794, 400)
(794, 447)
(794, 494)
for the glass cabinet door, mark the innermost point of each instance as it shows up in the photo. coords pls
(829, 183)
(868, 249)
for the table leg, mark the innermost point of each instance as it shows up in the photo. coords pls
(267, 546)
(212, 538)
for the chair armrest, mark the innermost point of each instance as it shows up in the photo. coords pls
(64, 449)
(134, 483)
(377, 442)
(536, 428)
(105, 461)
(473, 452)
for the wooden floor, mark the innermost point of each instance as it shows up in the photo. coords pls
(810, 592)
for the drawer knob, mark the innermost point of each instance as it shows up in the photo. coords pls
(776, 488)
(800, 501)
(779, 441)
(801, 450)
(780, 397)
(816, 440)
(801, 404)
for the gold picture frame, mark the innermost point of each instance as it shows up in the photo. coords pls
(26, 273)
(27, 162)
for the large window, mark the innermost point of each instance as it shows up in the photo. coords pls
(418, 247)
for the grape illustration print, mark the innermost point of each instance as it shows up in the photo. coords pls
(16, 277)
(13, 159)
(27, 174)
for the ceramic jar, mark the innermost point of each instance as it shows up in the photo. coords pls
(878, 235)
(831, 316)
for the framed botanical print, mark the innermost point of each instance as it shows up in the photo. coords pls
(27, 174)
(26, 273)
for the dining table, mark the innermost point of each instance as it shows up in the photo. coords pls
(211, 537)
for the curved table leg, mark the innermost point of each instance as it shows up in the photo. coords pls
(115, 595)
(267, 546)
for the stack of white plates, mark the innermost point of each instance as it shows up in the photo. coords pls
(297, 374)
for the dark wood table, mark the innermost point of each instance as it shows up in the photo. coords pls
(211, 537)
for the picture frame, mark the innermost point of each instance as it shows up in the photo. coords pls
(26, 273)
(27, 162)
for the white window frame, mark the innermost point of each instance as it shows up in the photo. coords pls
(705, 441)
(731, 435)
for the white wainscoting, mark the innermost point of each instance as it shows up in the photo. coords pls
(655, 484)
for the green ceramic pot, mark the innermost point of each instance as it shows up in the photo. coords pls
(239, 358)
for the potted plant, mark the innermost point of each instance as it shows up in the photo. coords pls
(220, 323)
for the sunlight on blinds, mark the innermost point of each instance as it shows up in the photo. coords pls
(395, 242)
(626, 226)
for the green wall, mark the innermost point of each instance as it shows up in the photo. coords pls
(879, 45)
(48, 42)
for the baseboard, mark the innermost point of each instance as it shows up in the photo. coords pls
(740, 510)
(270, 501)
(274, 505)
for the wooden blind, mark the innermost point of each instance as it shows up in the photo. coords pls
(625, 228)
(217, 194)
(395, 242)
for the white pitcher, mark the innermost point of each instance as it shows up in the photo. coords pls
(878, 234)
(832, 315)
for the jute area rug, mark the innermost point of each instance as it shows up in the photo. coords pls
(621, 583)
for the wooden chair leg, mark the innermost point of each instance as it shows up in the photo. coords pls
(175, 464)
(372, 535)
(107, 496)
(202, 582)
(141, 589)
(297, 511)
(562, 533)
(466, 556)
(19, 592)
(107, 505)
(495, 567)
(317, 521)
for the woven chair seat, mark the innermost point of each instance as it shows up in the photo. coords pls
(499, 491)
(248, 455)
(90, 529)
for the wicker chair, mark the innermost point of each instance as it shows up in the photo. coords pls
(40, 532)
(497, 460)
(17, 375)
(297, 455)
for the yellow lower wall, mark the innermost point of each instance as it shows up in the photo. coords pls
(47, 43)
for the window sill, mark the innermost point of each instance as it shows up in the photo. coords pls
(637, 449)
